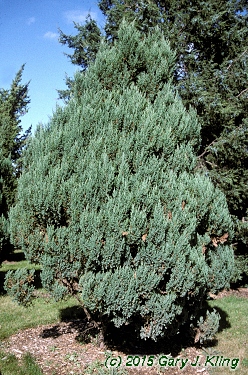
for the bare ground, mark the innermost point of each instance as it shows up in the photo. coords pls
(59, 350)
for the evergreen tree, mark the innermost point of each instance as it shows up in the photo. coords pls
(85, 45)
(109, 203)
(13, 104)
(5, 178)
(145, 14)
(210, 39)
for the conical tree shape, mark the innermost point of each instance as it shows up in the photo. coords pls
(109, 203)
(13, 105)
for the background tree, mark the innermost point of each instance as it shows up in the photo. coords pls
(109, 202)
(85, 45)
(13, 105)
(211, 43)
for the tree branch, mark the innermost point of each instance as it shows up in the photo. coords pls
(206, 150)
(241, 92)
(212, 164)
(74, 293)
(236, 59)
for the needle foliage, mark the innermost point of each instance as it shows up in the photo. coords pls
(210, 39)
(13, 104)
(110, 204)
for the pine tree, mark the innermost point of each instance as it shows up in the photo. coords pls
(13, 104)
(109, 202)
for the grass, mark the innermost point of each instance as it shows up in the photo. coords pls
(98, 368)
(10, 365)
(14, 317)
(16, 261)
(16, 265)
(231, 340)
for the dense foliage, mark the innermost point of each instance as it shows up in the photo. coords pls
(13, 104)
(109, 202)
(210, 39)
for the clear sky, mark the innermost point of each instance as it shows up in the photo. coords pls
(29, 34)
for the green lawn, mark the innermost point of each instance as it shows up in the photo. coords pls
(10, 365)
(232, 340)
(14, 317)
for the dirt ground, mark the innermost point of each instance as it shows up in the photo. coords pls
(59, 350)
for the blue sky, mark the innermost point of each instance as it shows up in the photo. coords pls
(29, 34)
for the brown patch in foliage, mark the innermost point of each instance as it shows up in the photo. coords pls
(217, 240)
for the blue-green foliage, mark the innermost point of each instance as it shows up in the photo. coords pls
(109, 203)
(208, 327)
(19, 285)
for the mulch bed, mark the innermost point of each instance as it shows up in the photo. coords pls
(58, 350)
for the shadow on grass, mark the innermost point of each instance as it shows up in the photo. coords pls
(126, 338)
(224, 321)
(223, 324)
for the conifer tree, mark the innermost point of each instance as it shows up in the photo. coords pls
(85, 46)
(210, 39)
(13, 104)
(6, 176)
(109, 202)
